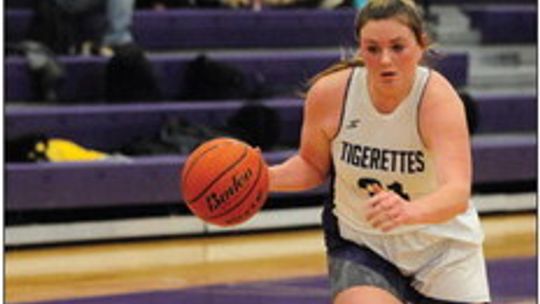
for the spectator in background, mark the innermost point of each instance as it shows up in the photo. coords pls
(173, 4)
(98, 27)
(257, 5)
(83, 26)
(118, 19)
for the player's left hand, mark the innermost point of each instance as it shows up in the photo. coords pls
(387, 210)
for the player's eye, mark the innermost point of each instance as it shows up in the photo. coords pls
(373, 49)
(398, 48)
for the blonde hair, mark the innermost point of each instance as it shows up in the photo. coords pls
(405, 11)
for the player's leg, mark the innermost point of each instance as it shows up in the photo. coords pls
(358, 275)
(365, 294)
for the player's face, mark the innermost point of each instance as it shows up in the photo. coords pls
(390, 51)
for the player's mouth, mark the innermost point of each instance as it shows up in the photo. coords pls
(388, 74)
(388, 77)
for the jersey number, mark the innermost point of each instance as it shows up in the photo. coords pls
(371, 185)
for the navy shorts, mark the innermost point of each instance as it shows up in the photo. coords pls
(352, 265)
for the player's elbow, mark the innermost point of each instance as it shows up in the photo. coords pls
(314, 181)
(316, 175)
(462, 192)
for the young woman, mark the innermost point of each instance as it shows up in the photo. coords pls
(392, 136)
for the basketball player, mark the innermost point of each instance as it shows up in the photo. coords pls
(392, 136)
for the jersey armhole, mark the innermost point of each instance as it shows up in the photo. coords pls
(344, 104)
(419, 106)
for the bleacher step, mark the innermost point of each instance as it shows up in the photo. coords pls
(499, 77)
(452, 26)
(524, 54)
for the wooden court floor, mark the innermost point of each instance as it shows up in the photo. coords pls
(105, 269)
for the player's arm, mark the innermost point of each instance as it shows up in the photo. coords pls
(443, 126)
(310, 166)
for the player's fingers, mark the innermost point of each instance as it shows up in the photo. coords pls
(378, 220)
(377, 199)
(373, 210)
(388, 225)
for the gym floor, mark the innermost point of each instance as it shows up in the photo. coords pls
(287, 267)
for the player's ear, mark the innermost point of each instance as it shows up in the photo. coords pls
(425, 41)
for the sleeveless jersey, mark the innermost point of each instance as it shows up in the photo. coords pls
(374, 149)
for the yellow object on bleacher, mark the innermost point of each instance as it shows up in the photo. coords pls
(62, 150)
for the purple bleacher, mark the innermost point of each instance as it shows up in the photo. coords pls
(17, 24)
(506, 113)
(227, 28)
(223, 28)
(145, 180)
(454, 66)
(504, 158)
(97, 184)
(512, 23)
(155, 180)
(282, 71)
(109, 127)
(243, 28)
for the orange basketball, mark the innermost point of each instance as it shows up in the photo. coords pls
(225, 181)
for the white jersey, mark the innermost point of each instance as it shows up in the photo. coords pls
(386, 149)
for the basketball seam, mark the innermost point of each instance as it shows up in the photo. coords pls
(232, 208)
(188, 169)
(197, 197)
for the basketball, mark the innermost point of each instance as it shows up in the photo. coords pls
(224, 181)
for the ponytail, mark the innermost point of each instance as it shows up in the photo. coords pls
(338, 66)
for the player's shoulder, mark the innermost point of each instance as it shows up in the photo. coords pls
(332, 81)
(439, 97)
(330, 87)
(438, 85)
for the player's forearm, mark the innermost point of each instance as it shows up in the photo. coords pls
(444, 204)
(295, 174)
